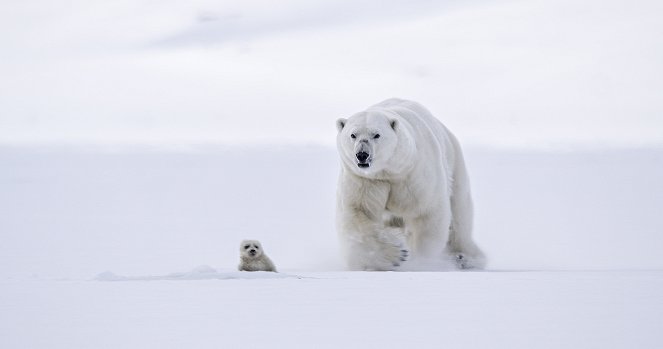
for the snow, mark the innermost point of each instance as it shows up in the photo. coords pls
(98, 248)
(341, 309)
(202, 272)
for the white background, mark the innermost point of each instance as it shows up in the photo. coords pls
(499, 73)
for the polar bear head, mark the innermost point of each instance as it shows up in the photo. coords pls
(367, 141)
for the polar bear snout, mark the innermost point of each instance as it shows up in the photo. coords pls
(363, 150)
(362, 157)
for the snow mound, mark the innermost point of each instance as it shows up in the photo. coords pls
(203, 272)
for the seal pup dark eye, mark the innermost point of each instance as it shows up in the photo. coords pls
(246, 247)
(376, 136)
(353, 136)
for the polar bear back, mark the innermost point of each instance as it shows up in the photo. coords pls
(434, 140)
(418, 117)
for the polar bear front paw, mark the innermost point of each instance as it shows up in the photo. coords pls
(404, 255)
(385, 250)
(392, 247)
(391, 258)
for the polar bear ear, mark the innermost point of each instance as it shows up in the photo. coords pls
(340, 123)
(393, 123)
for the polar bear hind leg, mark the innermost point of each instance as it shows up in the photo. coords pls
(460, 246)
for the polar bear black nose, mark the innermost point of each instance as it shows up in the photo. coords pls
(362, 156)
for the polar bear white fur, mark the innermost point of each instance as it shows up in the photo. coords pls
(403, 186)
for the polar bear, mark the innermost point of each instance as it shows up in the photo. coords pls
(403, 187)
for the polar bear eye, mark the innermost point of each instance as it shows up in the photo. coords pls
(353, 136)
(376, 136)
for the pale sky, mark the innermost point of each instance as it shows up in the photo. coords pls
(498, 73)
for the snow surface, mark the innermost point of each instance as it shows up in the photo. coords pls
(202, 272)
(341, 310)
(99, 248)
